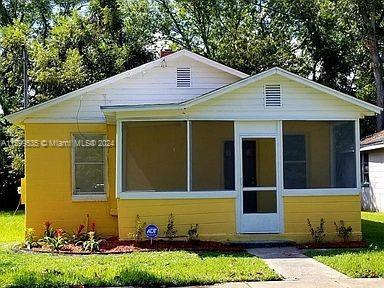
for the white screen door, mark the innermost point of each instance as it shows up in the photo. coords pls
(259, 209)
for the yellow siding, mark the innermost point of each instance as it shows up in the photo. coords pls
(48, 197)
(49, 185)
(331, 208)
(216, 217)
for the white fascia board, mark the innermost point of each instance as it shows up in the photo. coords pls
(328, 90)
(279, 71)
(215, 64)
(371, 147)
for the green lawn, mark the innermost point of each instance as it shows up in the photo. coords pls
(364, 263)
(149, 269)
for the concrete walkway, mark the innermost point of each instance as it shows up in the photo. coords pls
(300, 271)
(292, 264)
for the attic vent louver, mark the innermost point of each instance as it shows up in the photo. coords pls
(272, 95)
(183, 77)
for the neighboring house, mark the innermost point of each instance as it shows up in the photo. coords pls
(372, 168)
(245, 157)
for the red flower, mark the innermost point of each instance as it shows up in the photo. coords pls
(59, 232)
(93, 226)
(80, 229)
(47, 224)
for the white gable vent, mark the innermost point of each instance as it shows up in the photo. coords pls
(183, 77)
(272, 95)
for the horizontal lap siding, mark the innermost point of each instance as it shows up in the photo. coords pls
(157, 85)
(49, 182)
(297, 100)
(216, 217)
(375, 192)
(331, 208)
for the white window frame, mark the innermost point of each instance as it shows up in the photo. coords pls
(332, 191)
(89, 196)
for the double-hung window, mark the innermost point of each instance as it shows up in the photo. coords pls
(88, 164)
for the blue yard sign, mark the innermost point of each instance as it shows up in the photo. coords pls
(152, 231)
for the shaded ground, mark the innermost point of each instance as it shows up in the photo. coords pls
(359, 263)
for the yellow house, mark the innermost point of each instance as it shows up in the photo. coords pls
(245, 157)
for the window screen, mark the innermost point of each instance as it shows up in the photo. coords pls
(319, 154)
(88, 164)
(155, 156)
(213, 161)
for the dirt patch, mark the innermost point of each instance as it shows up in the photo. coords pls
(334, 245)
(114, 246)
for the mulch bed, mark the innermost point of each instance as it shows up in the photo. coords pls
(334, 245)
(114, 246)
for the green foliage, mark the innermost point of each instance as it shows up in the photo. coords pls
(92, 244)
(171, 231)
(30, 239)
(55, 242)
(139, 229)
(318, 233)
(343, 232)
(193, 232)
(79, 236)
(48, 229)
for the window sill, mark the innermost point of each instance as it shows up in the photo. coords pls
(83, 198)
(177, 195)
(322, 192)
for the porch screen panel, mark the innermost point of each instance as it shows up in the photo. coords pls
(155, 156)
(212, 151)
(319, 154)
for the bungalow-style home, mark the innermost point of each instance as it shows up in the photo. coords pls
(372, 172)
(244, 157)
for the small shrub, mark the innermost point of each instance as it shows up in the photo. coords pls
(343, 232)
(193, 233)
(318, 233)
(56, 242)
(139, 229)
(49, 231)
(30, 239)
(171, 231)
(78, 236)
(92, 244)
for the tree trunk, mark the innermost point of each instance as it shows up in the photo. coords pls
(377, 66)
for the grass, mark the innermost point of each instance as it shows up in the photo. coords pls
(12, 227)
(148, 269)
(359, 263)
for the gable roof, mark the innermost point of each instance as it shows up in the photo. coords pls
(374, 141)
(22, 114)
(242, 83)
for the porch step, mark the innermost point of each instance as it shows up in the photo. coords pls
(266, 243)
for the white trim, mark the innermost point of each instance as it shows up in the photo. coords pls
(189, 156)
(357, 154)
(372, 147)
(20, 115)
(66, 120)
(89, 197)
(119, 158)
(177, 195)
(321, 192)
(73, 164)
(259, 188)
(239, 213)
(280, 174)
